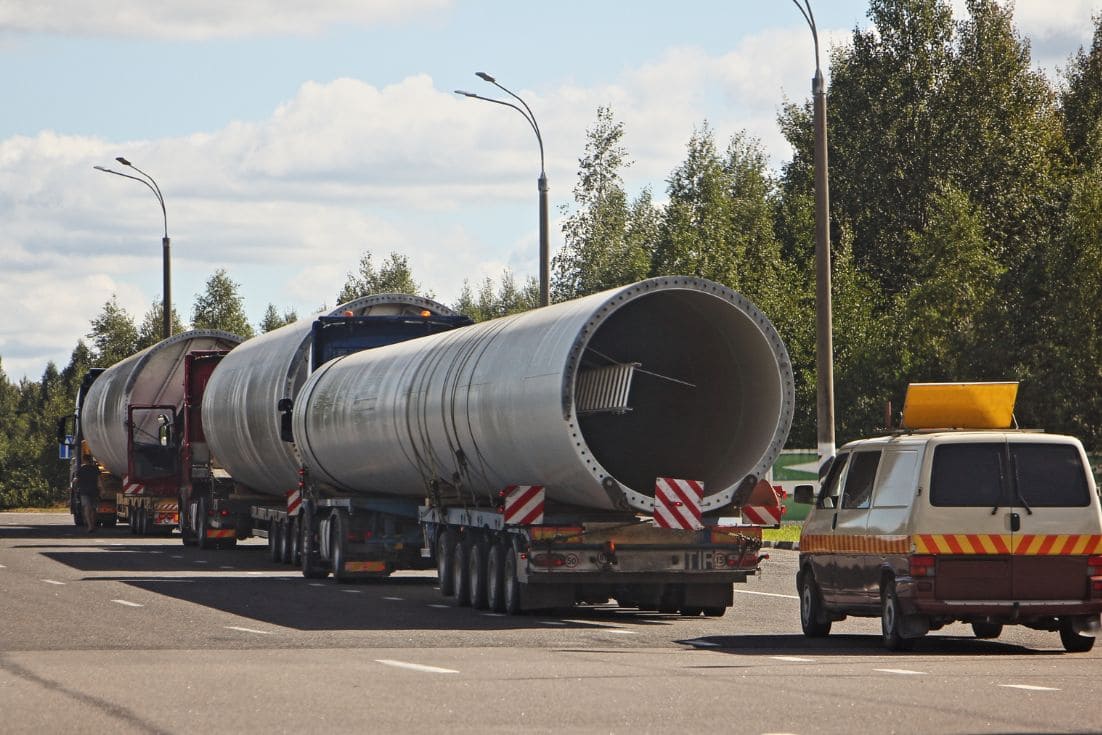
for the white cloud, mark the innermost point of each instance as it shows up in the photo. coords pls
(198, 20)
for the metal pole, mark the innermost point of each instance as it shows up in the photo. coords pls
(167, 269)
(824, 338)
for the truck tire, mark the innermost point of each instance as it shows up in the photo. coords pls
(476, 569)
(987, 631)
(142, 522)
(495, 576)
(274, 532)
(511, 585)
(811, 607)
(187, 536)
(1073, 641)
(338, 545)
(201, 525)
(461, 565)
(891, 619)
(715, 611)
(284, 543)
(312, 568)
(445, 562)
(295, 542)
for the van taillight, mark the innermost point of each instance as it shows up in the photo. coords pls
(922, 565)
(1094, 566)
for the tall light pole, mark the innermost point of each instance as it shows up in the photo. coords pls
(541, 182)
(165, 242)
(824, 338)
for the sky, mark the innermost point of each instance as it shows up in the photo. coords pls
(290, 138)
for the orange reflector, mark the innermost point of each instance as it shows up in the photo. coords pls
(365, 566)
(426, 313)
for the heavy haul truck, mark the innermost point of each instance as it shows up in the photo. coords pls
(602, 448)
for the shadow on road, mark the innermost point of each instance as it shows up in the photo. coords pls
(850, 644)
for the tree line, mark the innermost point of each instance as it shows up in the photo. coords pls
(966, 227)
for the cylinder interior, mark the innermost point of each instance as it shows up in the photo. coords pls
(715, 430)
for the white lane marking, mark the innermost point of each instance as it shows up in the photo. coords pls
(177, 556)
(493, 615)
(394, 599)
(703, 644)
(415, 667)
(768, 594)
(353, 592)
(312, 584)
(905, 672)
(438, 606)
(1029, 687)
(201, 561)
(227, 567)
(2, 566)
(128, 603)
(552, 622)
(794, 659)
(53, 581)
(618, 631)
(249, 630)
(154, 552)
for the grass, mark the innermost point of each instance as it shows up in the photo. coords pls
(54, 509)
(787, 532)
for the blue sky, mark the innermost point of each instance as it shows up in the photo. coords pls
(288, 139)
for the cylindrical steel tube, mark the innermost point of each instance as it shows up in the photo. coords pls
(240, 418)
(154, 376)
(593, 399)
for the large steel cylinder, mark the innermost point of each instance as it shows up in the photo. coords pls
(240, 418)
(593, 399)
(154, 376)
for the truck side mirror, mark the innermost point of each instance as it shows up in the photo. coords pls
(804, 494)
(285, 406)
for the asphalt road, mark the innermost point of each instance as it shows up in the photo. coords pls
(112, 633)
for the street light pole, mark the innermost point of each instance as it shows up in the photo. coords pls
(824, 339)
(541, 182)
(166, 243)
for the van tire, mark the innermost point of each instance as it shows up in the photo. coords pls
(811, 608)
(987, 631)
(891, 619)
(1073, 641)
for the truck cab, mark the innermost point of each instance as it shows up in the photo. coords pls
(978, 523)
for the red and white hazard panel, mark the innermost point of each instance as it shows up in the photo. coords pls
(764, 505)
(523, 504)
(131, 488)
(677, 503)
(294, 501)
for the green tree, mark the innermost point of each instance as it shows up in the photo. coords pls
(1081, 101)
(113, 334)
(221, 307)
(151, 330)
(600, 248)
(490, 302)
(393, 276)
(274, 320)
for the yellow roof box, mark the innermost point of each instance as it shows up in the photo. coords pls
(959, 405)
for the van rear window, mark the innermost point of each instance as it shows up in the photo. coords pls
(988, 474)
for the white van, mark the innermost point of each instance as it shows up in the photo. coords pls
(926, 527)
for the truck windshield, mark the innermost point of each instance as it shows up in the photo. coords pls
(1047, 475)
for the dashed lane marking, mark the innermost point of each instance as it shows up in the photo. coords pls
(552, 622)
(703, 644)
(177, 556)
(905, 672)
(394, 599)
(1030, 687)
(249, 630)
(353, 592)
(768, 594)
(415, 667)
(128, 603)
(227, 567)
(53, 581)
(794, 659)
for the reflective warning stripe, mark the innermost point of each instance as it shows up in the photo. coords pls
(221, 533)
(365, 566)
(1004, 543)
(847, 544)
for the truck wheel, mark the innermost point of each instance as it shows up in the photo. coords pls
(987, 630)
(201, 526)
(811, 608)
(495, 577)
(891, 620)
(692, 612)
(284, 543)
(477, 570)
(186, 534)
(511, 584)
(311, 566)
(445, 562)
(1073, 641)
(461, 565)
(338, 545)
(274, 532)
(295, 542)
(716, 611)
(140, 523)
(131, 521)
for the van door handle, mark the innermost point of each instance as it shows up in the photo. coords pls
(1015, 522)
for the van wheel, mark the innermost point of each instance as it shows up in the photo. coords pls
(987, 630)
(1074, 642)
(811, 608)
(891, 620)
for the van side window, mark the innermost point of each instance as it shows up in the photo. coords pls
(898, 480)
(859, 479)
(966, 475)
(832, 485)
(1049, 475)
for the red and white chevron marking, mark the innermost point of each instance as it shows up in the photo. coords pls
(294, 501)
(677, 503)
(523, 504)
(131, 488)
(762, 515)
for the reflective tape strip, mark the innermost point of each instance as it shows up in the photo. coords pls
(1004, 544)
(677, 503)
(221, 533)
(365, 566)
(855, 544)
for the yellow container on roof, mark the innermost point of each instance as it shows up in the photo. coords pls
(959, 405)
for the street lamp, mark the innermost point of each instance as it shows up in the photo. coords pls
(541, 182)
(824, 340)
(165, 242)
